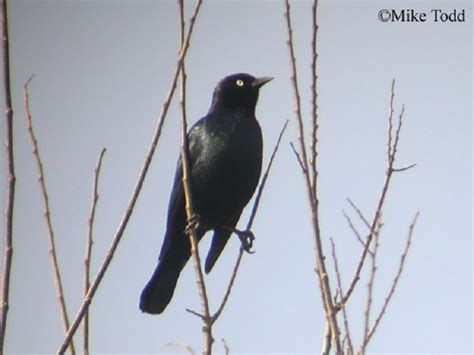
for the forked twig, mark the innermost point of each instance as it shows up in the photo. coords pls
(89, 241)
(359, 213)
(137, 189)
(298, 158)
(47, 216)
(354, 230)
(383, 194)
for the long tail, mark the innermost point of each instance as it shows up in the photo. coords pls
(159, 290)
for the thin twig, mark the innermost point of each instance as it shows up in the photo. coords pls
(137, 189)
(359, 213)
(397, 138)
(370, 284)
(9, 209)
(311, 186)
(297, 98)
(341, 292)
(207, 326)
(405, 168)
(249, 225)
(226, 348)
(354, 229)
(395, 280)
(314, 101)
(89, 241)
(197, 314)
(184, 346)
(47, 216)
(380, 203)
(390, 122)
(298, 158)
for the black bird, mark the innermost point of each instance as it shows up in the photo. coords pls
(225, 153)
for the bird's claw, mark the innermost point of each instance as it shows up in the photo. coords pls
(192, 223)
(246, 238)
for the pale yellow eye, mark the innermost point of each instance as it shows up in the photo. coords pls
(239, 82)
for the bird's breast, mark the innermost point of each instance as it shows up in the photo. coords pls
(227, 171)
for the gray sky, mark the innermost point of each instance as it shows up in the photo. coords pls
(102, 71)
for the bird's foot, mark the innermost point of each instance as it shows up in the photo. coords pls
(192, 223)
(246, 238)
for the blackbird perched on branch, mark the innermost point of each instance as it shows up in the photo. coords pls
(225, 159)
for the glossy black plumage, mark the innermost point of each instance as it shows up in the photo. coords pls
(225, 152)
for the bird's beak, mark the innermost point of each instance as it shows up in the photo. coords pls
(259, 82)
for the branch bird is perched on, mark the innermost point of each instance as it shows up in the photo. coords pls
(225, 158)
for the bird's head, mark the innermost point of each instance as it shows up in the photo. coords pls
(238, 91)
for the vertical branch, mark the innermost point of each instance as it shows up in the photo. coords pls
(326, 347)
(341, 292)
(311, 185)
(137, 189)
(47, 216)
(314, 102)
(388, 176)
(205, 315)
(87, 257)
(390, 122)
(296, 94)
(8, 239)
(395, 281)
(370, 285)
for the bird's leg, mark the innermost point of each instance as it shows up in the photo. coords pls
(246, 238)
(192, 223)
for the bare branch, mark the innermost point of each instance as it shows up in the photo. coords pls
(195, 313)
(137, 189)
(296, 93)
(341, 292)
(87, 257)
(207, 327)
(249, 224)
(356, 232)
(47, 216)
(390, 122)
(184, 346)
(397, 170)
(226, 348)
(359, 213)
(326, 347)
(264, 178)
(395, 280)
(381, 201)
(370, 285)
(314, 102)
(298, 158)
(311, 183)
(9, 209)
(397, 138)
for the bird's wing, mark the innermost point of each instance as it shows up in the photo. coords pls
(176, 221)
